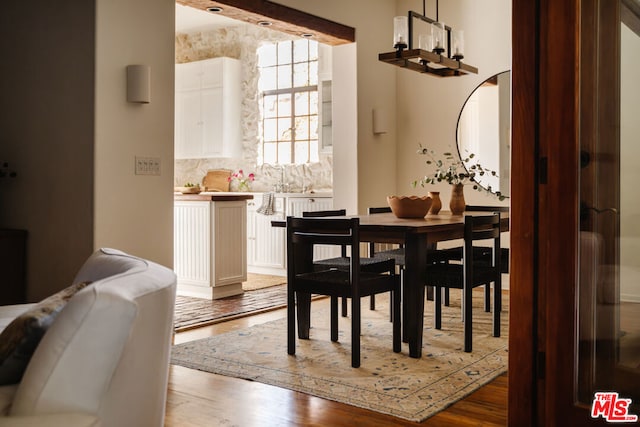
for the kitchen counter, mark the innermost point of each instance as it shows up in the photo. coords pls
(212, 197)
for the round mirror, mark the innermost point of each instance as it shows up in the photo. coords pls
(484, 129)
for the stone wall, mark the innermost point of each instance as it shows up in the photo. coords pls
(242, 42)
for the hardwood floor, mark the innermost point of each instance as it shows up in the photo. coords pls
(202, 399)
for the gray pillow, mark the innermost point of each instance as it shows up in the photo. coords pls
(19, 340)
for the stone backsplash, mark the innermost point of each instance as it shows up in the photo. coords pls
(242, 42)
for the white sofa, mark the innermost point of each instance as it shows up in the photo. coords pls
(105, 359)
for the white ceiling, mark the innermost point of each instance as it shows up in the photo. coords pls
(189, 20)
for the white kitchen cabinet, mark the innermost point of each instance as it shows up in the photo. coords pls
(266, 245)
(210, 247)
(207, 109)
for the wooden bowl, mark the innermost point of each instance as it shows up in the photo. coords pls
(188, 190)
(409, 206)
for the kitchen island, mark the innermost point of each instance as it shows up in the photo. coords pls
(210, 243)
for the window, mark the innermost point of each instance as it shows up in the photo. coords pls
(289, 102)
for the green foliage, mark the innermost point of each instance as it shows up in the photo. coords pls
(452, 170)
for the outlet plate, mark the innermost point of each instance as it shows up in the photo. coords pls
(147, 165)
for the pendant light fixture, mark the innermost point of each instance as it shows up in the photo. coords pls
(440, 48)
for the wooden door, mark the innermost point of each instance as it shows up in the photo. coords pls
(568, 320)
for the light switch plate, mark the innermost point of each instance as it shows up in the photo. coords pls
(147, 165)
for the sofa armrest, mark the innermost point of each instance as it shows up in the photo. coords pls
(51, 420)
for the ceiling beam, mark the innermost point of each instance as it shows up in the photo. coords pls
(282, 18)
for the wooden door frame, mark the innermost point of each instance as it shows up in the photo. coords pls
(549, 69)
(524, 154)
(544, 206)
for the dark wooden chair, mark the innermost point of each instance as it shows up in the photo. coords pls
(482, 254)
(471, 273)
(343, 262)
(303, 279)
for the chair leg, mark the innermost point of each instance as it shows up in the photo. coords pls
(291, 322)
(334, 319)
(304, 314)
(437, 309)
(405, 336)
(468, 321)
(397, 326)
(372, 302)
(487, 297)
(344, 307)
(497, 296)
(355, 331)
(446, 297)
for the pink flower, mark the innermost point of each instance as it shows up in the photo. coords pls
(252, 177)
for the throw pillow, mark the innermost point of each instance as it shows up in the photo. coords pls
(18, 341)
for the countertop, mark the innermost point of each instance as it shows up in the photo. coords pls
(213, 197)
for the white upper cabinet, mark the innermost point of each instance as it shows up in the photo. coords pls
(208, 109)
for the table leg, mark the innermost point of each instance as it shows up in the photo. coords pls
(414, 277)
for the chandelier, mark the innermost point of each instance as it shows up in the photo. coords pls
(440, 48)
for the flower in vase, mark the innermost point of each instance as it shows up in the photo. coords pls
(242, 180)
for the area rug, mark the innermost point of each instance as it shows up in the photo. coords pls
(193, 312)
(386, 382)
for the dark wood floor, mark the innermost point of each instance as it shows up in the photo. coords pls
(202, 399)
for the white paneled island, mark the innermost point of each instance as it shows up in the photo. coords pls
(210, 243)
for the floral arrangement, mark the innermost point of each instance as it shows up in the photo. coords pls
(453, 170)
(242, 180)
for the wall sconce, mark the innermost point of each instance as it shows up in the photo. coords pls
(139, 84)
(380, 122)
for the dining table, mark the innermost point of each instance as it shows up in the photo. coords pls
(417, 235)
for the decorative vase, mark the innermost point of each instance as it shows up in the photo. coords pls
(243, 186)
(457, 203)
(436, 203)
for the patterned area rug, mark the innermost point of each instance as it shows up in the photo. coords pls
(386, 382)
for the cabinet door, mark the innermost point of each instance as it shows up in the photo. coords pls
(266, 244)
(270, 242)
(212, 125)
(189, 125)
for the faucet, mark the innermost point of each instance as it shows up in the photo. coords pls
(281, 187)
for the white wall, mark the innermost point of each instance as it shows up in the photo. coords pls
(134, 213)
(376, 154)
(428, 107)
(630, 173)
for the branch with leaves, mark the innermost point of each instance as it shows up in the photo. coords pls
(454, 170)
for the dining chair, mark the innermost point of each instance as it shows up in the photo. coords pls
(397, 254)
(303, 279)
(343, 262)
(482, 254)
(473, 272)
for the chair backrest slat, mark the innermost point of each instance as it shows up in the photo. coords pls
(377, 210)
(320, 214)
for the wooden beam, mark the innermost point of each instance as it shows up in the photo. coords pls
(282, 18)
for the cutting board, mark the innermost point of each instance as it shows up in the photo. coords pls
(216, 180)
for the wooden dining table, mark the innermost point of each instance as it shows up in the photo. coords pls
(417, 235)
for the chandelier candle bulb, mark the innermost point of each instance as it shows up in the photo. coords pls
(439, 33)
(457, 41)
(400, 32)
